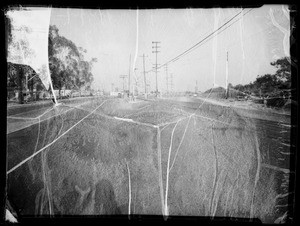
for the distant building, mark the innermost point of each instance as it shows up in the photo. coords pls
(115, 94)
(29, 86)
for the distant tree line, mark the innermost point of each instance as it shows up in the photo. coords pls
(68, 68)
(271, 85)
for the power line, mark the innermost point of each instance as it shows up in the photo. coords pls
(202, 35)
(206, 38)
(233, 44)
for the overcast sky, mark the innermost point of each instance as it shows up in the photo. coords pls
(112, 35)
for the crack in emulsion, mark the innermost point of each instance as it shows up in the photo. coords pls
(286, 32)
(216, 172)
(136, 44)
(166, 209)
(242, 45)
(160, 168)
(129, 188)
(258, 157)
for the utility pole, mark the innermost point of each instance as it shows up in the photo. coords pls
(171, 77)
(145, 81)
(123, 77)
(226, 94)
(129, 76)
(135, 91)
(167, 78)
(148, 85)
(112, 87)
(156, 47)
(196, 87)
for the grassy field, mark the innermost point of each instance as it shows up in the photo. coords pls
(151, 157)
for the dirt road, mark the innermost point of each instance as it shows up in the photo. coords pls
(161, 157)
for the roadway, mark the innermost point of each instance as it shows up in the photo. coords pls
(162, 157)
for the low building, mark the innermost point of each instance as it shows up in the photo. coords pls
(115, 94)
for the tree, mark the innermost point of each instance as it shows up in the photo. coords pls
(63, 60)
(12, 72)
(283, 73)
(266, 84)
(275, 85)
(66, 62)
(17, 44)
(239, 87)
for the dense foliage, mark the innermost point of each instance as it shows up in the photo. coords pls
(272, 85)
(67, 65)
(68, 68)
(17, 74)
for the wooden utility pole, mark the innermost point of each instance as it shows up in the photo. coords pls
(167, 78)
(145, 81)
(129, 76)
(171, 83)
(123, 77)
(135, 91)
(148, 85)
(112, 87)
(155, 51)
(226, 94)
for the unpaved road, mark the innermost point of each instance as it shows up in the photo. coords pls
(160, 157)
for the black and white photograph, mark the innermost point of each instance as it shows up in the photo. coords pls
(167, 112)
